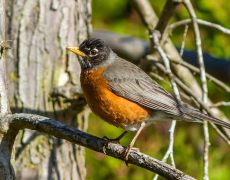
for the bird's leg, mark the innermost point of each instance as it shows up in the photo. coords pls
(130, 146)
(117, 139)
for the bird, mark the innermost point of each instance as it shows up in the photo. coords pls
(122, 94)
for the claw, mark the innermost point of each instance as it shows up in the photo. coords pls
(115, 140)
(127, 152)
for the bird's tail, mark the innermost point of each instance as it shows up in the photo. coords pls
(192, 114)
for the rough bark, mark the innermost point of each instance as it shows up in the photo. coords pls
(39, 31)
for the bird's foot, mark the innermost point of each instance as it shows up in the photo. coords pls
(127, 152)
(115, 140)
(108, 140)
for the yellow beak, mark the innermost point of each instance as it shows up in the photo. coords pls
(75, 50)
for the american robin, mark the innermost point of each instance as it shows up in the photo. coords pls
(124, 95)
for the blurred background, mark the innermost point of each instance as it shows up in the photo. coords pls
(120, 17)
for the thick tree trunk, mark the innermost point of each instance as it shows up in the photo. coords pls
(39, 32)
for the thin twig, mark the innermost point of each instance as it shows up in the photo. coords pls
(183, 42)
(200, 22)
(210, 77)
(155, 39)
(192, 14)
(156, 76)
(221, 103)
(60, 130)
(169, 152)
(216, 81)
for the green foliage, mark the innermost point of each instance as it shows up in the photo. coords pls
(110, 10)
(119, 16)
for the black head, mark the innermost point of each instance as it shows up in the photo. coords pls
(93, 51)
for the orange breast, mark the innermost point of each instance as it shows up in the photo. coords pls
(114, 109)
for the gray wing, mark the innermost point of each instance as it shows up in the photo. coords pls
(129, 81)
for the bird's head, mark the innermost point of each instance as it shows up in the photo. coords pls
(94, 52)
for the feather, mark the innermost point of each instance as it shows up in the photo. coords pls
(129, 81)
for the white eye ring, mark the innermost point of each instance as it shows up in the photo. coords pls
(94, 52)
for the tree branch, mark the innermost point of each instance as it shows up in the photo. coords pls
(221, 103)
(200, 22)
(167, 13)
(59, 130)
(6, 148)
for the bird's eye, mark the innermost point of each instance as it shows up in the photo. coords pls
(93, 52)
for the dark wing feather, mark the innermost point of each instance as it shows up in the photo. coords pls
(129, 81)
